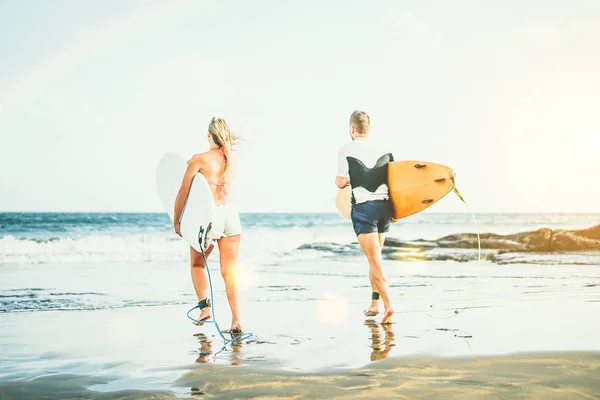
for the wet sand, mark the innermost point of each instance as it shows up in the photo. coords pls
(154, 353)
(538, 376)
(529, 333)
(528, 376)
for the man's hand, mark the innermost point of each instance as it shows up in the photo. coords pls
(394, 220)
(342, 182)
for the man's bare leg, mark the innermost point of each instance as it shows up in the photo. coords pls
(373, 309)
(370, 244)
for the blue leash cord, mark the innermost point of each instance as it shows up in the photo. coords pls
(239, 338)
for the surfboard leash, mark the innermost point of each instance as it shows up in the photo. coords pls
(459, 311)
(239, 338)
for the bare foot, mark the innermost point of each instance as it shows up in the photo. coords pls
(372, 311)
(387, 317)
(236, 328)
(204, 315)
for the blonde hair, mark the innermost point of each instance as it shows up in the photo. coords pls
(360, 121)
(224, 138)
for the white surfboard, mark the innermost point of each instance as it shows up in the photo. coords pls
(196, 218)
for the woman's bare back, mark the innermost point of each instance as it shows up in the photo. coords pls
(212, 165)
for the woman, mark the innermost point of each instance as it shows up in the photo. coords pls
(218, 167)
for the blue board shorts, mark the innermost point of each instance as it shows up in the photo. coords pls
(372, 216)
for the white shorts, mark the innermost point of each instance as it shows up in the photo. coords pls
(226, 222)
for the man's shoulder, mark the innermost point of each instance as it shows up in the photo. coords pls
(380, 146)
(346, 146)
(368, 146)
(373, 146)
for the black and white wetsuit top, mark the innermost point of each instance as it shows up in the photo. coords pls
(365, 163)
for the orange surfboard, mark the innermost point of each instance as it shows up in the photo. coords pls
(413, 186)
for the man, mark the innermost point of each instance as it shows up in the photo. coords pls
(363, 165)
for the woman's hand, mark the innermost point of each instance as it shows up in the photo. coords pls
(178, 229)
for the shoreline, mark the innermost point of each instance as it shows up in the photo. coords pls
(519, 375)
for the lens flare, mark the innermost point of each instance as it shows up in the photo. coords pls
(245, 276)
(332, 309)
(589, 146)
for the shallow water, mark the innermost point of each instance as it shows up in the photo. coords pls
(98, 311)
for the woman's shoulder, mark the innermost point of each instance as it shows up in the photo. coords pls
(196, 158)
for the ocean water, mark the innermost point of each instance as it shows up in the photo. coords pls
(86, 261)
(41, 238)
(94, 304)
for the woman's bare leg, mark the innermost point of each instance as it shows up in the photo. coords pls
(200, 280)
(228, 250)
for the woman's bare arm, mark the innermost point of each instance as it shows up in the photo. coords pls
(193, 168)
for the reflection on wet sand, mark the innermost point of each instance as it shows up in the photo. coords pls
(530, 376)
(206, 355)
(381, 344)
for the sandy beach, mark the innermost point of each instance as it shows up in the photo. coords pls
(93, 306)
(473, 126)
(530, 332)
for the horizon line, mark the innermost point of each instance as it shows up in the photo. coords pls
(300, 212)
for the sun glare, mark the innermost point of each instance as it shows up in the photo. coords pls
(332, 309)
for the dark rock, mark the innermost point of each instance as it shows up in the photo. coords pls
(541, 241)
(585, 239)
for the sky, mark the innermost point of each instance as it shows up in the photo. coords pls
(92, 94)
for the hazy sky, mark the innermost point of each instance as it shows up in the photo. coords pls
(506, 93)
